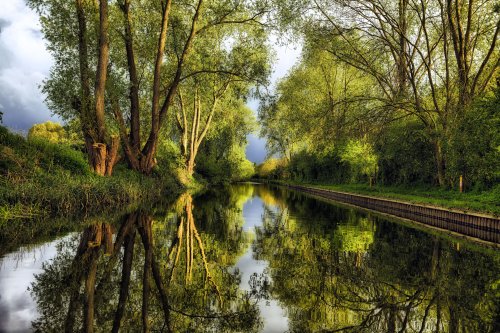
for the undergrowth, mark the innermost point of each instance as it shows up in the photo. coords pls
(42, 178)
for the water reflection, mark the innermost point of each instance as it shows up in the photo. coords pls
(252, 258)
(150, 275)
(349, 271)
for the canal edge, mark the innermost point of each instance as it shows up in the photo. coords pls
(479, 228)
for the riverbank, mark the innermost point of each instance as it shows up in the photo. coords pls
(486, 202)
(39, 178)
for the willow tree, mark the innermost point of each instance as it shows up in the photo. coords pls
(429, 58)
(144, 48)
(198, 111)
(319, 104)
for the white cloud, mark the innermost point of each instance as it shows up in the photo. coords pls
(286, 57)
(25, 62)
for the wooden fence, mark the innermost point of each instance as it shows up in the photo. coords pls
(486, 228)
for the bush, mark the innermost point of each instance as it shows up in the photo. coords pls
(272, 168)
(223, 168)
(26, 156)
(406, 156)
(308, 166)
(362, 159)
(48, 131)
(52, 155)
(474, 149)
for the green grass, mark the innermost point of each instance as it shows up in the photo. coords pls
(39, 178)
(487, 202)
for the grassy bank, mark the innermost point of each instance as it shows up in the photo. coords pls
(41, 178)
(487, 202)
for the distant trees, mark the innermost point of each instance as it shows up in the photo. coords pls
(138, 53)
(222, 157)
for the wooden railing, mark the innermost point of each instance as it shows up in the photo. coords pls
(479, 226)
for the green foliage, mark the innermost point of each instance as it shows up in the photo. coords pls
(56, 133)
(272, 168)
(222, 155)
(316, 106)
(27, 156)
(365, 74)
(44, 177)
(475, 144)
(309, 166)
(361, 157)
(59, 156)
(232, 166)
(49, 131)
(405, 155)
(169, 156)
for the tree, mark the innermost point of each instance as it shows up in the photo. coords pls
(102, 156)
(222, 157)
(416, 52)
(157, 40)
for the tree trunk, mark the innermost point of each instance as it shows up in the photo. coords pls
(148, 160)
(190, 164)
(102, 70)
(112, 155)
(440, 163)
(135, 134)
(101, 157)
(99, 153)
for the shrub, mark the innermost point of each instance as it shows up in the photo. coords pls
(49, 131)
(51, 155)
(272, 168)
(361, 157)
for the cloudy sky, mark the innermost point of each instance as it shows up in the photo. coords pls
(25, 62)
(286, 57)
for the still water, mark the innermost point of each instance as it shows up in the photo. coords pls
(246, 258)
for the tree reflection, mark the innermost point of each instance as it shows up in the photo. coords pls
(368, 275)
(332, 269)
(146, 276)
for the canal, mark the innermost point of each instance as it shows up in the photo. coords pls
(245, 258)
